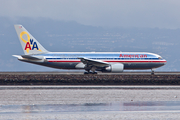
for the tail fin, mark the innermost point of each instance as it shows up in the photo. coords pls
(29, 44)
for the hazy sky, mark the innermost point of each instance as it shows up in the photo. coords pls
(125, 13)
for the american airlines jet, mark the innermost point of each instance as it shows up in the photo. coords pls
(89, 61)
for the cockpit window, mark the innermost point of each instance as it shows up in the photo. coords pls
(159, 57)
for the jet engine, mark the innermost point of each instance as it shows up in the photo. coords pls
(118, 67)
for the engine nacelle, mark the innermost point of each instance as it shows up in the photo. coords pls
(118, 67)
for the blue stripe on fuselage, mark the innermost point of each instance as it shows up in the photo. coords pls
(109, 58)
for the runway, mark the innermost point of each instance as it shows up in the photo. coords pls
(72, 78)
(82, 73)
(33, 87)
(90, 102)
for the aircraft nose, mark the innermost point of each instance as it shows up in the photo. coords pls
(165, 62)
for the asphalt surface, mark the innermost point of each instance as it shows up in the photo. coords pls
(136, 87)
(52, 78)
(90, 102)
(99, 73)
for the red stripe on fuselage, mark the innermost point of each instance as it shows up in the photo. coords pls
(110, 61)
(62, 61)
(136, 61)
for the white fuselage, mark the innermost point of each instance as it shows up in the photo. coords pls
(70, 60)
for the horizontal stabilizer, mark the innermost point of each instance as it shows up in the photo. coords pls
(27, 57)
(18, 56)
(30, 57)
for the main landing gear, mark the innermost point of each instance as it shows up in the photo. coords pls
(93, 69)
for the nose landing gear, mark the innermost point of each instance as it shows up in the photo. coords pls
(152, 71)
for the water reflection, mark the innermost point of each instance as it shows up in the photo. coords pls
(91, 107)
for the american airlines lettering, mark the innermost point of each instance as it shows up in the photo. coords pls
(132, 56)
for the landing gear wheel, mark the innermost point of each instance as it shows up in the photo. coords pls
(152, 73)
(94, 73)
(86, 73)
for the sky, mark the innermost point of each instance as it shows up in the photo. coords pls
(106, 13)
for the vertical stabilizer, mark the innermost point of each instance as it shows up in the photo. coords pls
(29, 44)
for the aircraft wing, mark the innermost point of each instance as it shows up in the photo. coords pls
(97, 63)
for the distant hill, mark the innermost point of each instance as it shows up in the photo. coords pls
(71, 36)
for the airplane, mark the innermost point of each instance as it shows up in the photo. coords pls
(91, 62)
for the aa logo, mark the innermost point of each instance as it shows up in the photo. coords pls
(30, 44)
